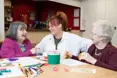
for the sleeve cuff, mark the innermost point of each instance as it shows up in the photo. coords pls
(97, 63)
(74, 57)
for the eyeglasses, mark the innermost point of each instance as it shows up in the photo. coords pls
(92, 34)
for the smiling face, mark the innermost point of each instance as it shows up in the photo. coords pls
(102, 31)
(54, 26)
(96, 38)
(21, 33)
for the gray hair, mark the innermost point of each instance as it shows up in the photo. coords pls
(12, 31)
(104, 29)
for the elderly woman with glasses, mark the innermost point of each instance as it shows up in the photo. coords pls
(16, 43)
(102, 53)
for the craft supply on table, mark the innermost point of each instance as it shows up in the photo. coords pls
(55, 69)
(10, 72)
(84, 70)
(44, 58)
(4, 63)
(72, 62)
(26, 61)
(31, 70)
(53, 57)
(12, 59)
(66, 70)
(4, 70)
(28, 68)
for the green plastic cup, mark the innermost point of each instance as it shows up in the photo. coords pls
(53, 59)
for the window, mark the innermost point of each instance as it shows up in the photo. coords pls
(76, 19)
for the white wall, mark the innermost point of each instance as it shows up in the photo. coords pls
(1, 19)
(93, 10)
(111, 14)
(76, 3)
(88, 14)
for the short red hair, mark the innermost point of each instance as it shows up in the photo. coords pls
(60, 18)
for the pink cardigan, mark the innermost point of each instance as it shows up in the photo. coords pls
(10, 48)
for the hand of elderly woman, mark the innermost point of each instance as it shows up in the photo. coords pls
(87, 57)
(34, 50)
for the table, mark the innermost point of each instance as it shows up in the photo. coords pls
(100, 72)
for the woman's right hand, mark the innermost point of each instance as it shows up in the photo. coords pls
(87, 57)
(34, 50)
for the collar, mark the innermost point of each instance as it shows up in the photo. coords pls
(107, 46)
(64, 36)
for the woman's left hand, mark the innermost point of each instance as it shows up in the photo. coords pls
(87, 57)
(68, 55)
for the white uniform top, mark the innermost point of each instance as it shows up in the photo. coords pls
(69, 42)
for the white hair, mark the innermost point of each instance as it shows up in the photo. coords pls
(105, 29)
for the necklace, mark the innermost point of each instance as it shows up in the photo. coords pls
(97, 54)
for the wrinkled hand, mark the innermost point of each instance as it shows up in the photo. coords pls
(34, 50)
(68, 55)
(87, 57)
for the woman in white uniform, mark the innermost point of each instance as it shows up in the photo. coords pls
(60, 40)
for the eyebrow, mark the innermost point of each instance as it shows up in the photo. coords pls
(23, 28)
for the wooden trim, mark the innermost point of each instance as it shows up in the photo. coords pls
(1, 41)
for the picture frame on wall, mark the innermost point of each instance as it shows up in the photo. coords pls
(76, 22)
(76, 12)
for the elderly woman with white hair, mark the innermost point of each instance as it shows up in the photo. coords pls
(102, 53)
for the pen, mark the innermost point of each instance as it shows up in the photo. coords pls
(13, 59)
(26, 72)
(32, 65)
(29, 70)
(41, 65)
(33, 70)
